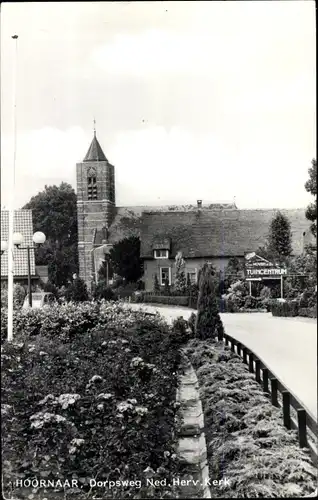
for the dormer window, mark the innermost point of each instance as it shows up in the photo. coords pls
(91, 188)
(161, 254)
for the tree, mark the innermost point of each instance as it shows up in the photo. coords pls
(302, 270)
(208, 322)
(279, 238)
(54, 212)
(49, 287)
(233, 272)
(311, 187)
(125, 259)
(156, 286)
(180, 278)
(77, 291)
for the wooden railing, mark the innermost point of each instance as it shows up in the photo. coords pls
(295, 416)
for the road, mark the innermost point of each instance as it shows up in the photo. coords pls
(288, 346)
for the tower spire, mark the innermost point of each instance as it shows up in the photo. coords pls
(95, 152)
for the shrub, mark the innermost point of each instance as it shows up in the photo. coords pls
(51, 288)
(19, 294)
(228, 305)
(265, 292)
(107, 404)
(191, 322)
(285, 308)
(77, 291)
(103, 292)
(126, 290)
(168, 300)
(251, 302)
(180, 325)
(208, 321)
(308, 312)
(167, 287)
(246, 440)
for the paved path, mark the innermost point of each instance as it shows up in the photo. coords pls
(288, 346)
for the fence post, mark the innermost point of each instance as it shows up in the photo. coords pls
(274, 384)
(220, 336)
(250, 362)
(286, 409)
(232, 345)
(239, 348)
(302, 428)
(258, 370)
(265, 380)
(226, 339)
(245, 355)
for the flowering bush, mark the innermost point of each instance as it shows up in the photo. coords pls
(105, 402)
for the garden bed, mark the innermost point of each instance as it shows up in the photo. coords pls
(247, 443)
(90, 402)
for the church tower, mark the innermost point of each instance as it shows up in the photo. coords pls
(96, 208)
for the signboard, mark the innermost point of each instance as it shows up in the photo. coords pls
(257, 268)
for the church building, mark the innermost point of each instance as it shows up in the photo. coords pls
(202, 232)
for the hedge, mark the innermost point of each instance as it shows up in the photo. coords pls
(292, 309)
(174, 300)
(308, 312)
(104, 404)
(246, 441)
(225, 305)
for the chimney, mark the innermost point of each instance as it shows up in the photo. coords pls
(199, 204)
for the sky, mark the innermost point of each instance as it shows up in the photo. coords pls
(192, 100)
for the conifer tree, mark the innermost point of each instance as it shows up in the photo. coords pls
(180, 279)
(156, 286)
(208, 321)
(279, 239)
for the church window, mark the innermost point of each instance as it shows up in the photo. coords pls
(91, 188)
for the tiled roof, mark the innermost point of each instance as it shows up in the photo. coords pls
(212, 233)
(95, 152)
(22, 224)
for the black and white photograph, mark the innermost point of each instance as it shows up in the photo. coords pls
(158, 250)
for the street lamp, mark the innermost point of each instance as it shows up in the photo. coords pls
(38, 239)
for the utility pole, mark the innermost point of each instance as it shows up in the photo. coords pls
(11, 203)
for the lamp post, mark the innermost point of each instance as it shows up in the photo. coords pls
(38, 239)
(11, 188)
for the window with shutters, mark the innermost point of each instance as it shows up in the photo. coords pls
(91, 188)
